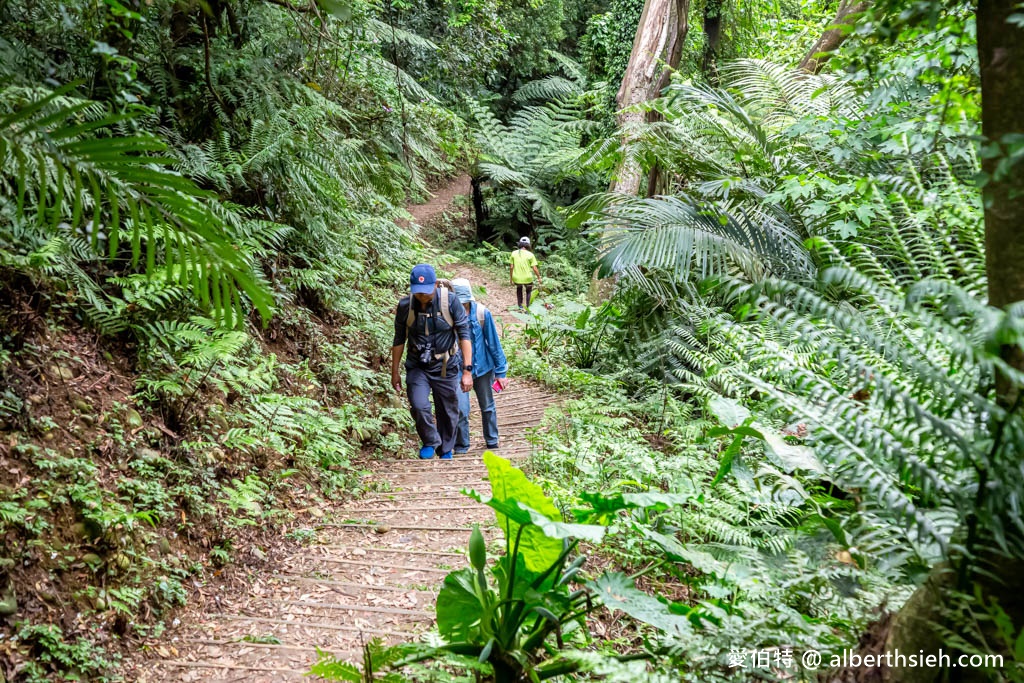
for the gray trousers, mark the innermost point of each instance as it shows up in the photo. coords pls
(419, 384)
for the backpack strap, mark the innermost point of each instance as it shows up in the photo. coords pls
(410, 320)
(481, 312)
(446, 313)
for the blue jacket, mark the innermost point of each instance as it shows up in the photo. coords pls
(487, 352)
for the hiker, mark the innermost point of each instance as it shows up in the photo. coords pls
(435, 325)
(489, 368)
(522, 262)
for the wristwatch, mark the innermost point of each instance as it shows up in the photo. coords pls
(468, 368)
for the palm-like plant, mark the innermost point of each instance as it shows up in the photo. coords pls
(681, 237)
(906, 412)
(757, 170)
(530, 157)
(889, 355)
(543, 156)
(68, 175)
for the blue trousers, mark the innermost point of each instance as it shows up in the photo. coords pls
(485, 397)
(419, 385)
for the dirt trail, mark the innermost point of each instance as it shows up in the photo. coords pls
(373, 574)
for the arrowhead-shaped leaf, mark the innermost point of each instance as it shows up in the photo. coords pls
(509, 484)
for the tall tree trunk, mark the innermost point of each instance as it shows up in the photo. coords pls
(657, 48)
(484, 231)
(833, 37)
(712, 38)
(1001, 56)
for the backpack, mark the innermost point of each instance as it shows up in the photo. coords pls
(444, 287)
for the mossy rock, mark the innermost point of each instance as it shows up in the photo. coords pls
(61, 371)
(132, 419)
(8, 602)
(149, 455)
(8, 598)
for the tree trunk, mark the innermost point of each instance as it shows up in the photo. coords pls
(833, 37)
(484, 232)
(1001, 56)
(712, 38)
(657, 47)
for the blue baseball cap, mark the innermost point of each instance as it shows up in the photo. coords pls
(423, 279)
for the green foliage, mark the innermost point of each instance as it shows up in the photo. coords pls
(500, 619)
(847, 315)
(68, 178)
(605, 47)
(776, 451)
(486, 48)
(678, 237)
(209, 162)
(53, 654)
(748, 558)
(582, 333)
(541, 158)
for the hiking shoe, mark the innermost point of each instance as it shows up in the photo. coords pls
(446, 456)
(427, 453)
(461, 452)
(492, 446)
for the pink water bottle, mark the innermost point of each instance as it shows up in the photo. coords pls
(497, 386)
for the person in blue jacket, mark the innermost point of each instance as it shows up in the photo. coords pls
(489, 367)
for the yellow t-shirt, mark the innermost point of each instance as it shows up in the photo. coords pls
(522, 263)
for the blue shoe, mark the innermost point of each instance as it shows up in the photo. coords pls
(427, 453)
(446, 456)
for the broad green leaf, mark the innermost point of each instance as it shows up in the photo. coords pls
(552, 529)
(339, 9)
(727, 458)
(742, 430)
(604, 506)
(728, 411)
(792, 457)
(458, 607)
(509, 483)
(617, 592)
(583, 318)
(524, 577)
(736, 573)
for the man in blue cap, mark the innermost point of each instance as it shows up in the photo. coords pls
(437, 330)
(489, 368)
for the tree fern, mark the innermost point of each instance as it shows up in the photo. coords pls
(62, 169)
(681, 237)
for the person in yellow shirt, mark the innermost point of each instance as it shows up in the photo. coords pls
(522, 268)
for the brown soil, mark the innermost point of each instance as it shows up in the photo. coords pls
(423, 214)
(372, 570)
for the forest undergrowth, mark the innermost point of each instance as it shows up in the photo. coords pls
(793, 367)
